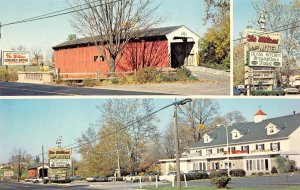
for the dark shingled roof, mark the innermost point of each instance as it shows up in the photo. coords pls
(255, 131)
(155, 32)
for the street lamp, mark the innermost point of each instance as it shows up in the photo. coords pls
(176, 105)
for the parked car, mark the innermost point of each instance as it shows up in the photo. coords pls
(102, 179)
(291, 90)
(170, 177)
(131, 178)
(239, 91)
(76, 178)
(196, 171)
(91, 179)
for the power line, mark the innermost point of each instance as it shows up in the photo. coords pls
(60, 13)
(269, 32)
(128, 124)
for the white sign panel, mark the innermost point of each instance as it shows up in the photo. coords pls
(60, 163)
(265, 59)
(15, 58)
(8, 173)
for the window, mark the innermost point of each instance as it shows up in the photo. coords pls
(275, 147)
(258, 165)
(208, 152)
(260, 147)
(199, 152)
(98, 58)
(245, 149)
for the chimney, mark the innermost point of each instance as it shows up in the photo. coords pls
(259, 116)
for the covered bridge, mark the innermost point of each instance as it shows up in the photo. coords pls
(172, 47)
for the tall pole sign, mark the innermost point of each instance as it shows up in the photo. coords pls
(262, 55)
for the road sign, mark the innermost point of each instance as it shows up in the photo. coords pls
(15, 58)
(8, 173)
(265, 59)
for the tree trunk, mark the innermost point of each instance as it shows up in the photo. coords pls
(112, 66)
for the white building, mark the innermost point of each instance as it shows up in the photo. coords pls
(253, 146)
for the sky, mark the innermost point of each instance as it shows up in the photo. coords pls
(47, 33)
(31, 123)
(243, 15)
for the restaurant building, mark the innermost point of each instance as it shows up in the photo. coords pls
(252, 146)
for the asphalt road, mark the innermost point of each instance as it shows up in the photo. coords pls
(26, 89)
(220, 86)
(245, 182)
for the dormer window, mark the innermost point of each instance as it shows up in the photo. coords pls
(272, 129)
(235, 134)
(207, 138)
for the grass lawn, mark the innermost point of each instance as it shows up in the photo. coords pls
(212, 188)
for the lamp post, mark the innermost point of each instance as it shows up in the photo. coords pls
(176, 136)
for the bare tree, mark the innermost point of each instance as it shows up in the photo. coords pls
(283, 17)
(51, 54)
(216, 11)
(196, 114)
(112, 23)
(169, 142)
(37, 55)
(19, 158)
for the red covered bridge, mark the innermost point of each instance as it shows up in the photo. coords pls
(173, 47)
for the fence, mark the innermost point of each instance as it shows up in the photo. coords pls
(98, 75)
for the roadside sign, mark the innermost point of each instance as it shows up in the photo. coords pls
(265, 59)
(15, 58)
(8, 173)
(60, 163)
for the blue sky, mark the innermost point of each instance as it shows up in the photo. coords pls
(31, 123)
(49, 32)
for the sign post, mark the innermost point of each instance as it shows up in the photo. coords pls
(262, 56)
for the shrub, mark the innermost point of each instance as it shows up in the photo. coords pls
(220, 182)
(115, 81)
(238, 173)
(147, 75)
(220, 173)
(187, 176)
(274, 170)
(260, 173)
(199, 175)
(268, 93)
(254, 173)
(8, 77)
(89, 82)
(183, 73)
(285, 165)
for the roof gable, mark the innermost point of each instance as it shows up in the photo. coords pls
(255, 131)
(151, 33)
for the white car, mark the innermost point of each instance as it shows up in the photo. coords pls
(170, 177)
(291, 90)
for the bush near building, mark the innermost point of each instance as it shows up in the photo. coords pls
(219, 173)
(147, 75)
(268, 93)
(285, 165)
(237, 173)
(199, 175)
(220, 182)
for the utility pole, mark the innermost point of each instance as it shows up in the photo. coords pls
(177, 145)
(118, 174)
(43, 174)
(176, 105)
